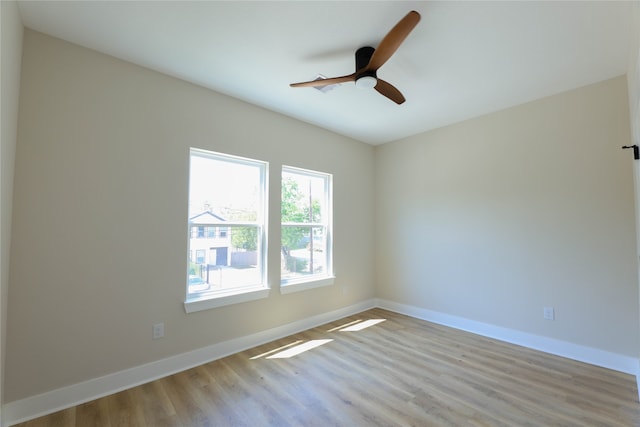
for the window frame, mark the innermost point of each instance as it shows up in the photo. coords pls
(217, 298)
(311, 281)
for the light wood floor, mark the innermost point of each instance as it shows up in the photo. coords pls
(398, 372)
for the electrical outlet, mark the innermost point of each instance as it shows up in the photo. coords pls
(158, 330)
(548, 313)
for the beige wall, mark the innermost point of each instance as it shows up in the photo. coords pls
(11, 54)
(633, 79)
(494, 218)
(633, 73)
(633, 82)
(100, 210)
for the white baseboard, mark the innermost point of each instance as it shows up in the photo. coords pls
(593, 356)
(66, 397)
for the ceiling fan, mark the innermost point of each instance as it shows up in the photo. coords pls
(368, 60)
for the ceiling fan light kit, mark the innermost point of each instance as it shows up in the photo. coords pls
(369, 60)
(366, 82)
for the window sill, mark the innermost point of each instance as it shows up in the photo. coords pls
(303, 285)
(206, 302)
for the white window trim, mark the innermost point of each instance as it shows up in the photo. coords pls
(214, 299)
(291, 286)
(304, 283)
(220, 299)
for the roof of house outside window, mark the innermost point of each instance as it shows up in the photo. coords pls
(205, 217)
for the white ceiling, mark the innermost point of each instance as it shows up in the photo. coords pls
(464, 59)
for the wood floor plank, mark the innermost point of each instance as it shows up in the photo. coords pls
(400, 371)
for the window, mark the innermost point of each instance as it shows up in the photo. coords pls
(227, 230)
(200, 254)
(306, 215)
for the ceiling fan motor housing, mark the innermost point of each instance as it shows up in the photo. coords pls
(363, 56)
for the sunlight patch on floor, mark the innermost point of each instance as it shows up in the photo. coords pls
(345, 325)
(301, 348)
(362, 325)
(276, 350)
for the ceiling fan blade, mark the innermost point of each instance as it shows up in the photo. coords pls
(393, 40)
(326, 82)
(388, 90)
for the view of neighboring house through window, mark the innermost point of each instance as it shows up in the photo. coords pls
(227, 199)
(306, 226)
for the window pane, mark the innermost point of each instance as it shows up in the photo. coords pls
(226, 265)
(303, 198)
(306, 226)
(303, 251)
(226, 210)
(230, 190)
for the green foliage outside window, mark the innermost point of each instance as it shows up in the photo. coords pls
(296, 208)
